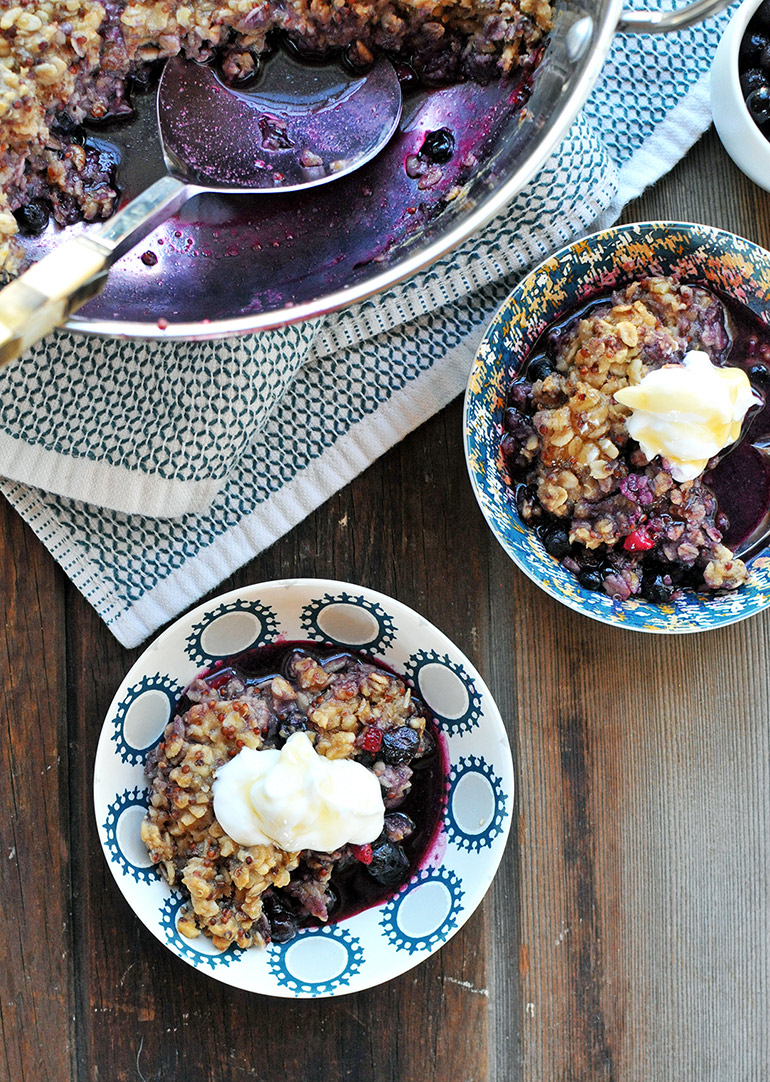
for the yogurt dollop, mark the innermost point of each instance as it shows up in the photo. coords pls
(687, 412)
(297, 799)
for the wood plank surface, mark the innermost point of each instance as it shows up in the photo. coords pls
(625, 936)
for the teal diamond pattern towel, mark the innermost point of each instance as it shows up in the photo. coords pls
(152, 470)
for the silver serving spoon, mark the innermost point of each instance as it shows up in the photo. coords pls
(300, 126)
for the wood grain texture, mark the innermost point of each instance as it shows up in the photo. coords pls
(643, 769)
(140, 1008)
(36, 961)
(625, 936)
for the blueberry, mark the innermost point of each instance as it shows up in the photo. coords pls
(438, 146)
(760, 375)
(407, 76)
(399, 745)
(556, 541)
(389, 864)
(591, 578)
(722, 522)
(520, 396)
(752, 80)
(63, 124)
(655, 589)
(283, 923)
(427, 746)
(758, 104)
(764, 60)
(291, 724)
(539, 368)
(33, 218)
(751, 48)
(762, 16)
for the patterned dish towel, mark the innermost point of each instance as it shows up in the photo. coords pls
(146, 521)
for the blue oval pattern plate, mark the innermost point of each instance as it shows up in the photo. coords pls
(593, 267)
(381, 942)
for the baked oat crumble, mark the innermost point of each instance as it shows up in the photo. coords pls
(66, 61)
(350, 709)
(619, 521)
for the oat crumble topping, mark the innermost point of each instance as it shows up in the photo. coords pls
(361, 711)
(613, 511)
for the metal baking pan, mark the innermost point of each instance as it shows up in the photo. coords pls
(238, 264)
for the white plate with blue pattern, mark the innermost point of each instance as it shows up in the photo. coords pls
(381, 942)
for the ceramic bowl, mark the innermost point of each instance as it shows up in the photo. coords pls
(740, 136)
(592, 268)
(380, 942)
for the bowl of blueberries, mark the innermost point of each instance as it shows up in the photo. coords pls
(740, 90)
(617, 427)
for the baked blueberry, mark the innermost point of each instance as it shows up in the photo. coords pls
(539, 368)
(556, 541)
(438, 146)
(752, 80)
(752, 47)
(591, 578)
(656, 589)
(34, 216)
(389, 864)
(759, 374)
(283, 923)
(399, 745)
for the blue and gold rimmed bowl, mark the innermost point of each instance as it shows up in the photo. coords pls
(420, 916)
(592, 268)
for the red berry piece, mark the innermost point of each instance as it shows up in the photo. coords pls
(372, 740)
(362, 853)
(639, 540)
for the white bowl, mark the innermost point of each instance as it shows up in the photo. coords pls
(740, 136)
(380, 942)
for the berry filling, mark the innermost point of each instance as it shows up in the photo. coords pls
(620, 522)
(350, 708)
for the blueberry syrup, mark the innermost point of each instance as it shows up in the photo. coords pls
(353, 887)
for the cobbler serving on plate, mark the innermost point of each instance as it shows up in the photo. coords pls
(634, 440)
(253, 747)
(63, 62)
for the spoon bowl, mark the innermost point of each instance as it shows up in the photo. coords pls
(297, 125)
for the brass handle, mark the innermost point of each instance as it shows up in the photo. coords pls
(74, 272)
(45, 295)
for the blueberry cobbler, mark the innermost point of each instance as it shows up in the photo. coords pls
(635, 440)
(63, 62)
(294, 784)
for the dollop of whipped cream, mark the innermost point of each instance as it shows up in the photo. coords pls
(297, 799)
(687, 412)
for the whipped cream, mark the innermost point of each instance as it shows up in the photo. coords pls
(687, 412)
(297, 799)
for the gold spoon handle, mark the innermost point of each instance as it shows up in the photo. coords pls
(45, 295)
(71, 274)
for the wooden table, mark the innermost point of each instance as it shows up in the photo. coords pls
(625, 937)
